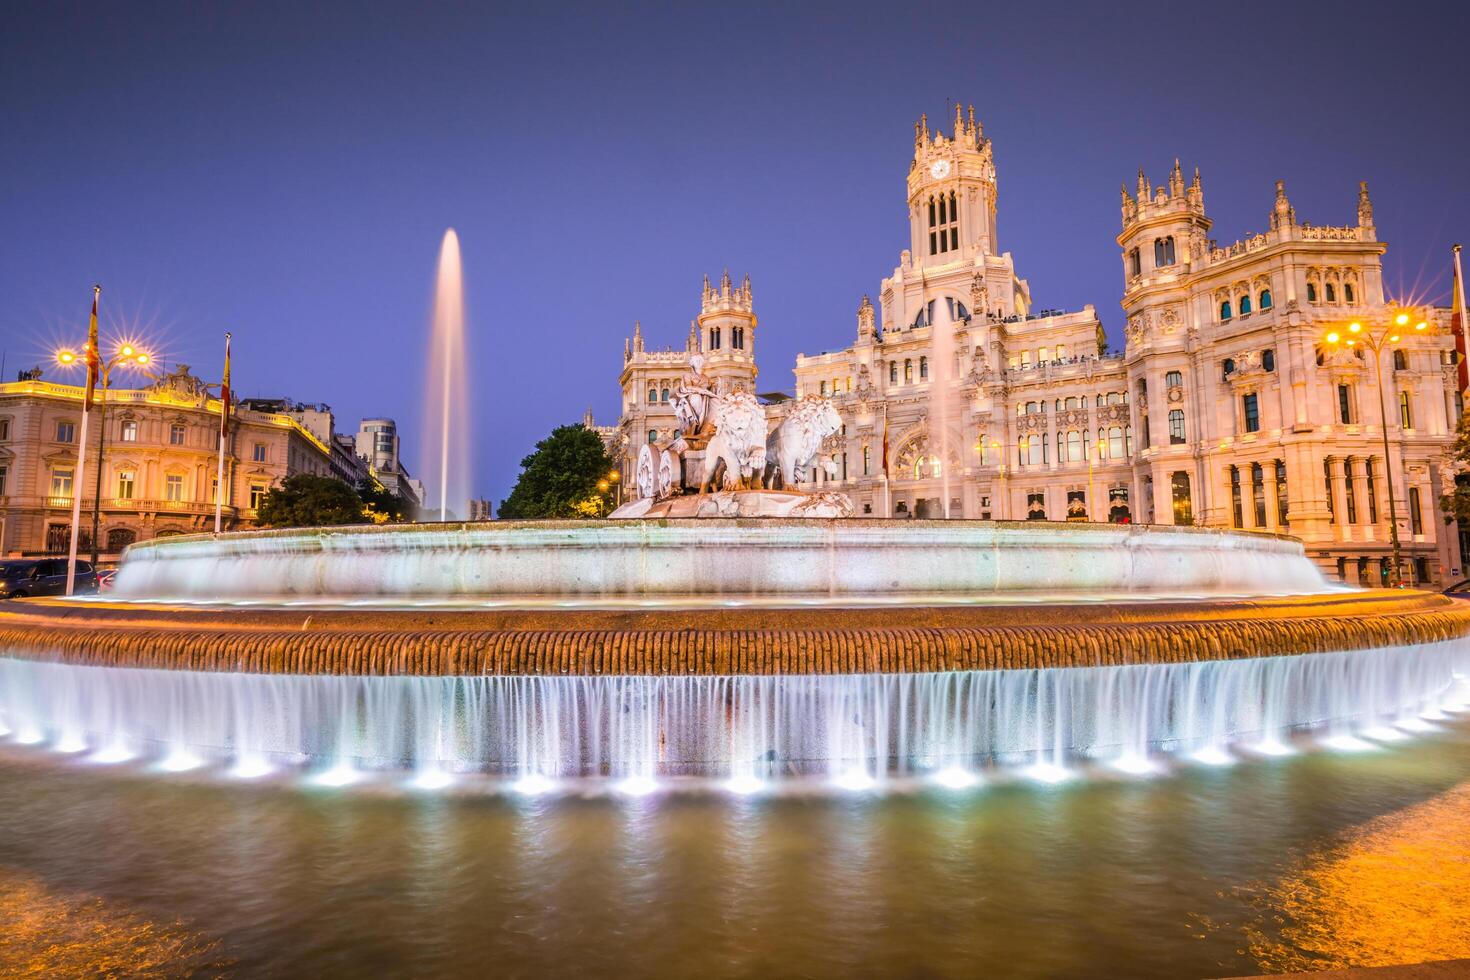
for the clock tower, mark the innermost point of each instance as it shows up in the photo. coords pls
(951, 188)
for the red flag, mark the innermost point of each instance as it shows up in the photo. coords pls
(885, 444)
(224, 394)
(1458, 324)
(91, 354)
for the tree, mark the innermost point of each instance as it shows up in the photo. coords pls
(381, 505)
(560, 479)
(1456, 503)
(307, 500)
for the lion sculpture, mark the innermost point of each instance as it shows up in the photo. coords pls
(795, 444)
(736, 454)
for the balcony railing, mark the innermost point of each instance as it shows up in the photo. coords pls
(121, 504)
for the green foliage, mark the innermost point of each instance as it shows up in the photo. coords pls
(381, 505)
(1456, 503)
(560, 478)
(307, 500)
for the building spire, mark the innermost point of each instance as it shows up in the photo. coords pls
(1365, 206)
(1176, 180)
(959, 121)
(637, 337)
(1283, 215)
(1143, 190)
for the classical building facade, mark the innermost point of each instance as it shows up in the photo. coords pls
(159, 463)
(962, 398)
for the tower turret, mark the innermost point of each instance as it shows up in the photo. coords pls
(952, 194)
(1159, 227)
(725, 331)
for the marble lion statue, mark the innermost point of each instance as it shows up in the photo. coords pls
(795, 444)
(736, 454)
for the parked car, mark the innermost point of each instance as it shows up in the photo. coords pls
(43, 576)
(105, 579)
(1460, 590)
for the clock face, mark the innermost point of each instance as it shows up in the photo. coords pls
(940, 168)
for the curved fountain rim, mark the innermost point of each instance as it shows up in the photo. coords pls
(815, 528)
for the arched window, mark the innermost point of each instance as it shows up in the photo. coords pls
(1227, 368)
(1237, 512)
(1176, 426)
(1258, 493)
(1281, 490)
(714, 338)
(1135, 264)
(1173, 379)
(823, 389)
(1331, 293)
(944, 226)
(1265, 299)
(1406, 410)
(119, 538)
(1245, 304)
(1268, 360)
(653, 435)
(663, 395)
(908, 371)
(653, 396)
(923, 369)
(1400, 361)
(1164, 251)
(1225, 310)
(1347, 292)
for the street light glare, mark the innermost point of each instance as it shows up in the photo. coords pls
(1401, 319)
(66, 357)
(143, 358)
(1393, 339)
(1421, 325)
(1355, 327)
(1333, 338)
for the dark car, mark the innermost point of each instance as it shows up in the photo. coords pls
(1460, 590)
(43, 576)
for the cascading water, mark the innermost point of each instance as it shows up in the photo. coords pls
(942, 396)
(857, 728)
(446, 442)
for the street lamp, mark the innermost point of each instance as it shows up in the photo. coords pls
(602, 488)
(127, 356)
(1377, 340)
(1001, 449)
(616, 479)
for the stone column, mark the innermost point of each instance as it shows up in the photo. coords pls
(1339, 494)
(1360, 490)
(1273, 519)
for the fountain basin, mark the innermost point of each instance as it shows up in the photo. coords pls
(843, 559)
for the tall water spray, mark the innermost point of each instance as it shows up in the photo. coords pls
(941, 394)
(447, 415)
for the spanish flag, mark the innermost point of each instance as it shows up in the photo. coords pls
(224, 395)
(91, 354)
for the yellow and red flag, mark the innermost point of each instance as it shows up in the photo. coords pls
(91, 355)
(224, 394)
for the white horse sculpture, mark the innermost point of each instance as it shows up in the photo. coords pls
(736, 454)
(795, 444)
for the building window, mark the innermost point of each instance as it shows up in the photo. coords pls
(1164, 251)
(4, 429)
(4, 472)
(1347, 292)
(1372, 492)
(1135, 264)
(66, 432)
(1327, 482)
(119, 538)
(908, 371)
(1225, 310)
(663, 395)
(129, 431)
(1331, 293)
(1268, 360)
(1281, 508)
(257, 452)
(257, 494)
(126, 484)
(714, 338)
(1406, 410)
(173, 487)
(867, 459)
(1183, 506)
(652, 436)
(944, 228)
(653, 396)
(1344, 405)
(1258, 493)
(893, 372)
(1176, 426)
(1400, 361)
(1350, 491)
(1265, 299)
(1227, 368)
(61, 482)
(1416, 518)
(822, 389)
(176, 434)
(923, 369)
(1252, 412)
(737, 338)
(1311, 292)
(1237, 514)
(1173, 379)
(1245, 304)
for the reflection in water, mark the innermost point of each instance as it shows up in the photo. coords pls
(44, 933)
(1091, 877)
(1396, 891)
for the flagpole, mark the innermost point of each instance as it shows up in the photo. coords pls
(224, 427)
(1464, 320)
(79, 478)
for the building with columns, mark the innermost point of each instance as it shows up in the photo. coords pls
(963, 397)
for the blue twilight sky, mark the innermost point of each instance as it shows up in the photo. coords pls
(286, 170)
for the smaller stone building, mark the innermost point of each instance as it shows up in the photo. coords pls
(159, 463)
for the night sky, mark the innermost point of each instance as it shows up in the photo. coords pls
(286, 171)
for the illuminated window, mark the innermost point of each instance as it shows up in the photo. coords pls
(1416, 517)
(173, 487)
(61, 480)
(1176, 426)
(1237, 513)
(257, 493)
(1406, 411)
(1258, 493)
(1281, 509)
(129, 431)
(126, 483)
(1183, 505)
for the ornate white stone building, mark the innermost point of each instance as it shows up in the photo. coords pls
(960, 397)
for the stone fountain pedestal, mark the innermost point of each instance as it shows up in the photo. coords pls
(739, 503)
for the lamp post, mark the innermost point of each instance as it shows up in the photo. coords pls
(1355, 334)
(128, 356)
(603, 486)
(1000, 470)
